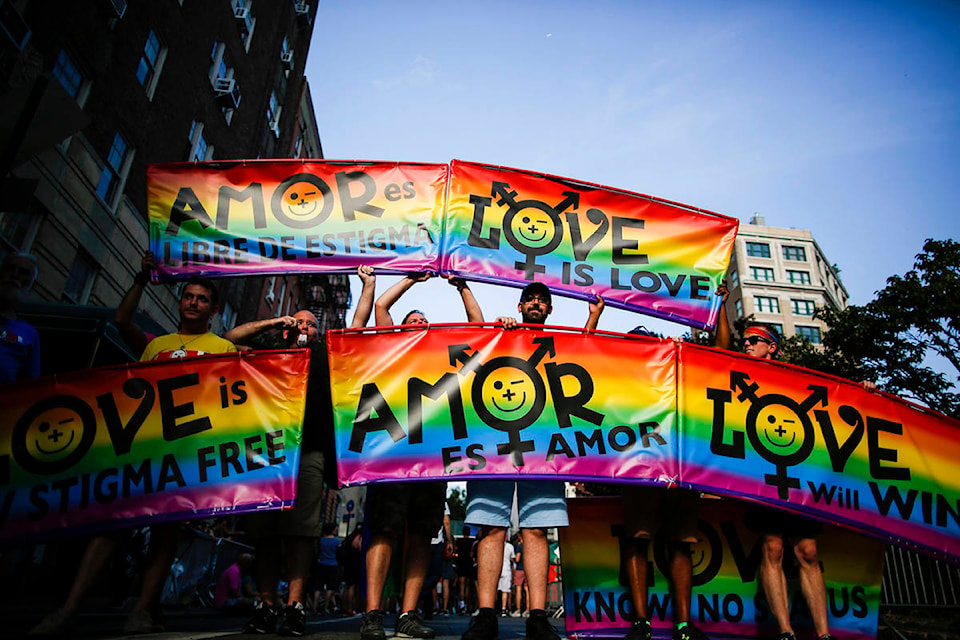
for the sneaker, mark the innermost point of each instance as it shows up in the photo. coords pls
(410, 625)
(294, 621)
(539, 627)
(372, 626)
(639, 630)
(514, 614)
(141, 622)
(263, 620)
(689, 632)
(828, 636)
(787, 635)
(57, 624)
(483, 626)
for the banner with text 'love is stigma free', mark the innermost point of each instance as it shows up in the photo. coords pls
(819, 445)
(513, 227)
(458, 402)
(286, 216)
(163, 440)
(727, 597)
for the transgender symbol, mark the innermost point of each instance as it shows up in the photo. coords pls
(779, 428)
(532, 227)
(509, 395)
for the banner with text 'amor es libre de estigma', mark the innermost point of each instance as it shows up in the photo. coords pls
(291, 216)
(465, 402)
(163, 440)
(513, 227)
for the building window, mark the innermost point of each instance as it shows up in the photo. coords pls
(68, 73)
(734, 277)
(798, 277)
(810, 334)
(777, 326)
(738, 305)
(115, 170)
(273, 114)
(761, 273)
(18, 229)
(766, 304)
(794, 253)
(758, 250)
(802, 307)
(228, 316)
(151, 62)
(199, 149)
(83, 271)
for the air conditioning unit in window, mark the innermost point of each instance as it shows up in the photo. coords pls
(287, 59)
(240, 12)
(228, 92)
(301, 7)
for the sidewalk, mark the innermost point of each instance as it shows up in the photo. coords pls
(201, 624)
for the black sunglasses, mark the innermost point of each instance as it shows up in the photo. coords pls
(755, 340)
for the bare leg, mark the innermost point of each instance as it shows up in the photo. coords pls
(268, 559)
(681, 575)
(299, 552)
(163, 549)
(378, 564)
(95, 557)
(417, 565)
(536, 564)
(812, 583)
(774, 581)
(489, 563)
(635, 556)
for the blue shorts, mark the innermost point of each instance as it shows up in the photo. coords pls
(540, 503)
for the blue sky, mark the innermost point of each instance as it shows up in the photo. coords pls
(838, 117)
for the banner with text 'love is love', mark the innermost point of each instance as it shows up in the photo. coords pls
(463, 402)
(513, 227)
(728, 599)
(164, 440)
(291, 216)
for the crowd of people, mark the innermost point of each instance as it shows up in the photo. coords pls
(488, 577)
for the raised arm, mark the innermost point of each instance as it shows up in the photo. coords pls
(470, 304)
(596, 308)
(387, 298)
(241, 334)
(123, 317)
(721, 337)
(365, 304)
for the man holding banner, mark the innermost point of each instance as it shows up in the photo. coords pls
(415, 508)
(541, 504)
(287, 539)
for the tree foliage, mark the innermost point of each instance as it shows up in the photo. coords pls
(890, 339)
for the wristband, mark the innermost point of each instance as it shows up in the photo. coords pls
(142, 278)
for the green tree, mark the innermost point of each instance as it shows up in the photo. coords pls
(889, 339)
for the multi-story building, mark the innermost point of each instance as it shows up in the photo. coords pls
(780, 276)
(93, 91)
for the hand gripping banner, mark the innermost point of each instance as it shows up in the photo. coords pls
(163, 440)
(287, 216)
(728, 599)
(466, 402)
(513, 227)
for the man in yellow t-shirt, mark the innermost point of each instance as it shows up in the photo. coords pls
(198, 303)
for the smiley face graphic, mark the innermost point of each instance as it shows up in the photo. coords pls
(302, 201)
(779, 430)
(533, 230)
(508, 393)
(53, 434)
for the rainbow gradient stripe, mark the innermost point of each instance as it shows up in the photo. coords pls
(290, 216)
(451, 402)
(502, 380)
(168, 440)
(727, 597)
(511, 227)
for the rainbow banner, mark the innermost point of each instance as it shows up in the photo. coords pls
(640, 253)
(727, 596)
(459, 402)
(819, 445)
(285, 216)
(169, 440)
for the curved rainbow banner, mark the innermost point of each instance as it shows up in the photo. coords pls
(462, 402)
(480, 222)
(728, 599)
(163, 440)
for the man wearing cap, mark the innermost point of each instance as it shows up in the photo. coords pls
(540, 503)
(775, 526)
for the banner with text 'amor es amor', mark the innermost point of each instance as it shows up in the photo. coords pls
(164, 440)
(291, 216)
(514, 227)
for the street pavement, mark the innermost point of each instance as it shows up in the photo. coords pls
(201, 624)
